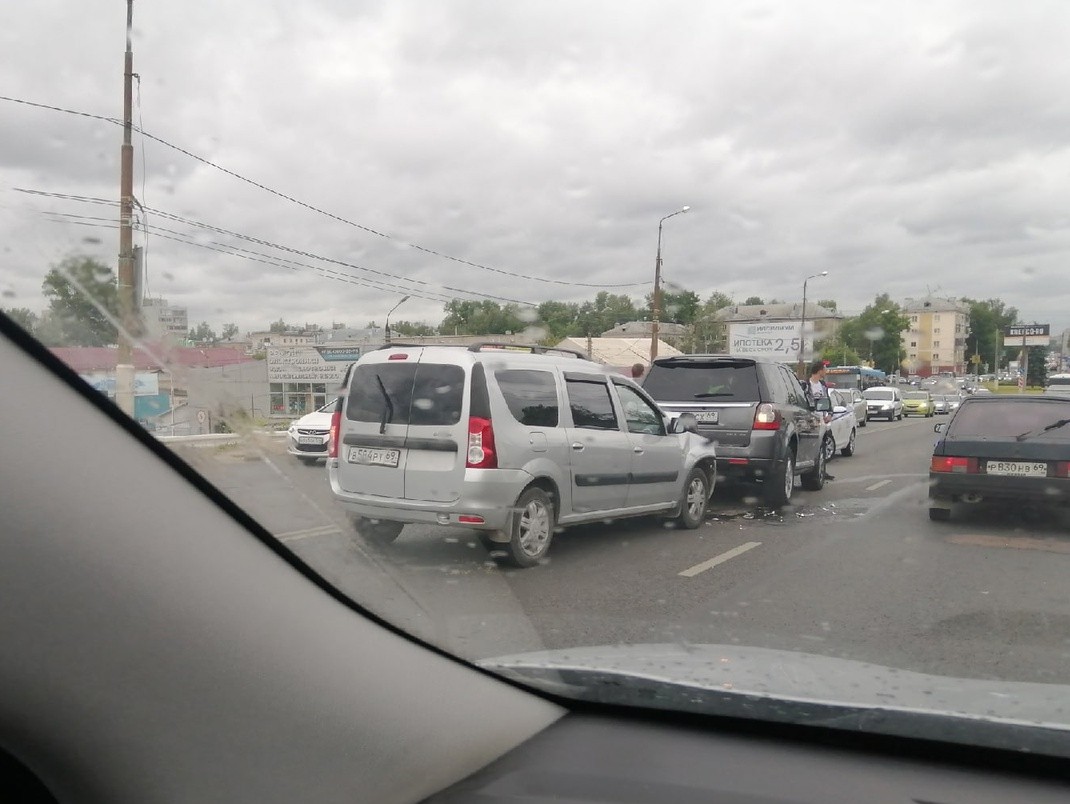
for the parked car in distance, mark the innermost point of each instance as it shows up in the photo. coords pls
(767, 429)
(947, 403)
(853, 399)
(307, 436)
(1002, 449)
(884, 402)
(843, 426)
(918, 403)
(513, 442)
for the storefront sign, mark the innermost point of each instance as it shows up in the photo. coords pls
(307, 364)
(339, 354)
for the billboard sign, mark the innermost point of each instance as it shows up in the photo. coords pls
(1027, 335)
(146, 383)
(773, 340)
(309, 364)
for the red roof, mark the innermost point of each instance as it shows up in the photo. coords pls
(86, 359)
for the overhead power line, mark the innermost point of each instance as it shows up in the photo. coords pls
(427, 293)
(321, 211)
(420, 283)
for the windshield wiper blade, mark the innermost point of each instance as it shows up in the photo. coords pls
(388, 411)
(718, 393)
(1053, 426)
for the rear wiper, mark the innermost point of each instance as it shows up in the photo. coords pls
(1053, 426)
(716, 393)
(388, 411)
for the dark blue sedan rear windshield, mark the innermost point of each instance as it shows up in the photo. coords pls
(1011, 418)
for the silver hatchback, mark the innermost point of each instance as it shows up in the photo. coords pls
(511, 443)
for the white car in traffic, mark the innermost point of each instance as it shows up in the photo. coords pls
(843, 425)
(307, 437)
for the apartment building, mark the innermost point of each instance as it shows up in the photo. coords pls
(936, 339)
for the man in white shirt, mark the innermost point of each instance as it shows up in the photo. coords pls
(819, 389)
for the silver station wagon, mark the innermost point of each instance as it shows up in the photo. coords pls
(511, 441)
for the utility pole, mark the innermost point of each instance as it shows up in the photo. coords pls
(995, 356)
(124, 369)
(656, 318)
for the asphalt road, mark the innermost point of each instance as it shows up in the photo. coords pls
(856, 570)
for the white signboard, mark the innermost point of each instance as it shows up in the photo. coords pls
(308, 364)
(772, 340)
(1027, 335)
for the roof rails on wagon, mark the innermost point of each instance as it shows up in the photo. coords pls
(493, 346)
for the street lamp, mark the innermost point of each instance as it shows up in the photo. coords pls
(657, 288)
(802, 328)
(392, 309)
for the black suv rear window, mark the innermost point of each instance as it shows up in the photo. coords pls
(685, 381)
(408, 393)
(530, 395)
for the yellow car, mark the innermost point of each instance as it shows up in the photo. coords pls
(918, 403)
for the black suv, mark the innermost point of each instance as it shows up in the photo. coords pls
(766, 426)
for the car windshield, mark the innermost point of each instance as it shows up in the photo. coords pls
(718, 200)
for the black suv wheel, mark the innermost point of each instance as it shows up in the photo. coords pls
(781, 483)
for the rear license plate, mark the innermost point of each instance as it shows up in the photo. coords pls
(374, 457)
(706, 416)
(310, 439)
(1017, 468)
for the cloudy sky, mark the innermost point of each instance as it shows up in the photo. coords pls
(526, 151)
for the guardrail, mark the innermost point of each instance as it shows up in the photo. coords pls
(217, 439)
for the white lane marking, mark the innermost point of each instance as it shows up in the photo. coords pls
(691, 572)
(325, 530)
(877, 485)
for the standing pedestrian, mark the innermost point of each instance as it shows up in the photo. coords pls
(818, 389)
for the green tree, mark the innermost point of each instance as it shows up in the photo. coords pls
(828, 304)
(754, 300)
(411, 329)
(681, 307)
(203, 333)
(229, 331)
(877, 331)
(604, 312)
(279, 326)
(1038, 366)
(715, 302)
(83, 303)
(836, 351)
(466, 317)
(985, 338)
(24, 317)
(558, 320)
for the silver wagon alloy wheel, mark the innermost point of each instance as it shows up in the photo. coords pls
(531, 529)
(534, 528)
